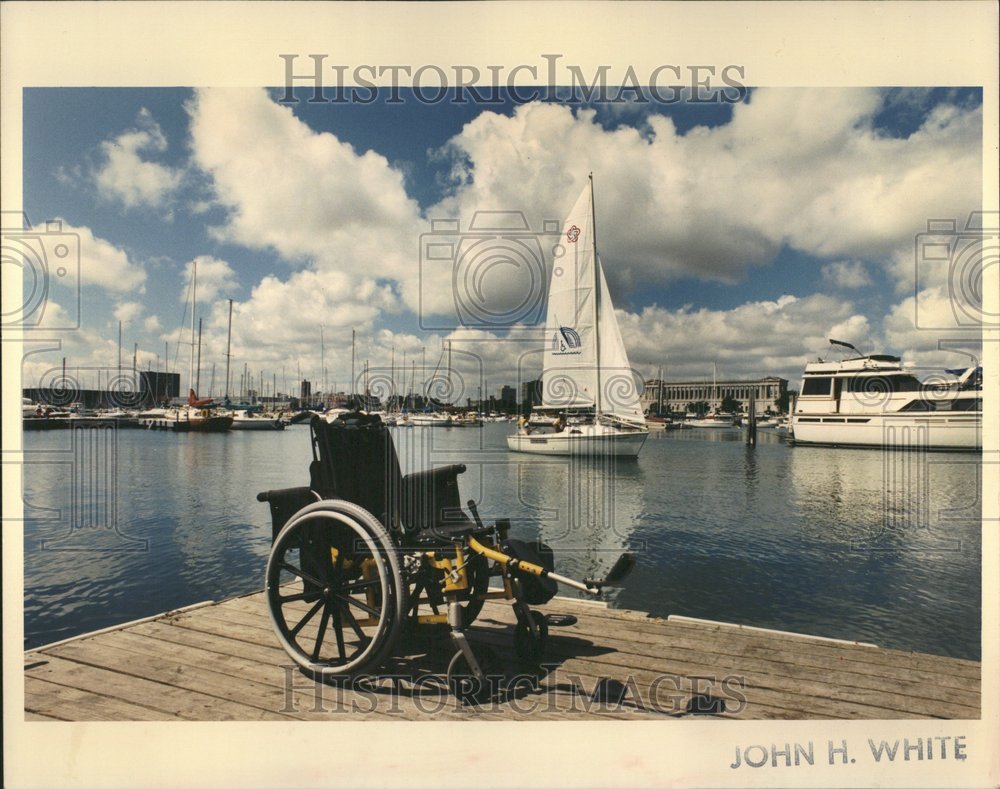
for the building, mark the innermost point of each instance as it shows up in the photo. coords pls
(305, 391)
(531, 392)
(676, 395)
(508, 397)
(157, 387)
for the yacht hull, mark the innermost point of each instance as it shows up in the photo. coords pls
(952, 431)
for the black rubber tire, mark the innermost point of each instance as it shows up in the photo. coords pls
(316, 566)
(530, 647)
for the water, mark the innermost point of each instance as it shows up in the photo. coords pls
(854, 544)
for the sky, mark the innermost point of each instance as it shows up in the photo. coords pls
(734, 235)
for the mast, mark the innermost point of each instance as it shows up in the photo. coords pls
(351, 394)
(322, 364)
(659, 397)
(194, 301)
(597, 299)
(449, 365)
(229, 338)
(197, 371)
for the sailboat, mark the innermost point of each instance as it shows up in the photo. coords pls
(590, 404)
(197, 416)
(715, 419)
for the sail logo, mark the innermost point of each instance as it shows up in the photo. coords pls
(573, 234)
(566, 341)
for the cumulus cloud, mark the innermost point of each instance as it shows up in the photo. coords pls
(126, 176)
(216, 278)
(128, 311)
(806, 168)
(306, 195)
(846, 274)
(101, 263)
(756, 338)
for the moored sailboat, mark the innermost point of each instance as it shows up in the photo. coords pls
(590, 404)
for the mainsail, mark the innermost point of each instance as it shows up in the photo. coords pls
(585, 363)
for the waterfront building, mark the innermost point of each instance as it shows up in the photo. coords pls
(508, 397)
(677, 394)
(531, 392)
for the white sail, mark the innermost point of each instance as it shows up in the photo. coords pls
(619, 394)
(570, 363)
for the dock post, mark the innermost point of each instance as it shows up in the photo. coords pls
(752, 422)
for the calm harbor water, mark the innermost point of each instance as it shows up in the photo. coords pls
(855, 544)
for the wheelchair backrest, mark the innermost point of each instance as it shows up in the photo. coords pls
(354, 459)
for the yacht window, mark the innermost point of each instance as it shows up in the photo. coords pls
(961, 404)
(871, 384)
(816, 386)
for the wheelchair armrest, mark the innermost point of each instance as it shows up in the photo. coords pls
(282, 493)
(284, 503)
(433, 474)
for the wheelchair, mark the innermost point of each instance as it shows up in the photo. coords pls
(363, 553)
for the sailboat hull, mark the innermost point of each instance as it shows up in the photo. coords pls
(619, 444)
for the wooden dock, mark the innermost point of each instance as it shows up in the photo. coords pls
(221, 661)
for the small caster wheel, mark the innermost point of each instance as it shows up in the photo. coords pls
(529, 641)
(465, 685)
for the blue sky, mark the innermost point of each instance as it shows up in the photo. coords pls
(738, 234)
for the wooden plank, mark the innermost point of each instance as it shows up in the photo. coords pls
(37, 716)
(179, 702)
(881, 656)
(786, 663)
(762, 701)
(58, 702)
(946, 671)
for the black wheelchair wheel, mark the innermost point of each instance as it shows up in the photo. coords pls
(335, 589)
(529, 640)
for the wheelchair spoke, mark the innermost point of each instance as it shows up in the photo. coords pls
(355, 626)
(350, 588)
(309, 615)
(301, 574)
(338, 629)
(291, 598)
(363, 606)
(322, 631)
